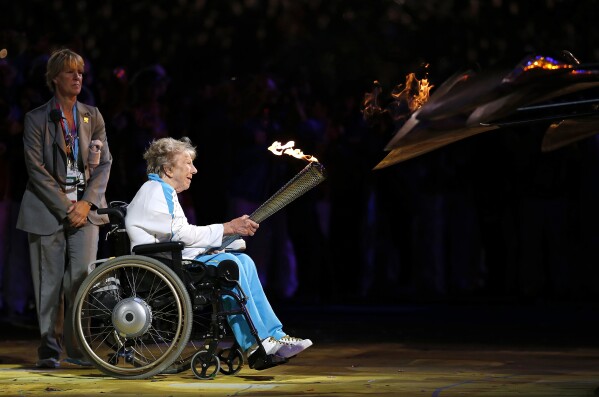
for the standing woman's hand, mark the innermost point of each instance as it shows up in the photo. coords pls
(77, 213)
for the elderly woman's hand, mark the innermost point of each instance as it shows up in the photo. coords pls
(242, 226)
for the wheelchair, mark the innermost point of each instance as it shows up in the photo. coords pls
(146, 311)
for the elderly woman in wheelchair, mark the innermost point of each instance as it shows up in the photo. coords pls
(167, 307)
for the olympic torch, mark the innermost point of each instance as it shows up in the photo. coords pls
(308, 178)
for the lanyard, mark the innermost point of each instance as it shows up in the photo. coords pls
(71, 138)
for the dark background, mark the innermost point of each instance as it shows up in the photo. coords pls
(487, 219)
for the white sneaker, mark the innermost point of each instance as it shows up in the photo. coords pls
(286, 347)
(305, 343)
(270, 345)
(291, 346)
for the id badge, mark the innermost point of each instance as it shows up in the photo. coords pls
(71, 188)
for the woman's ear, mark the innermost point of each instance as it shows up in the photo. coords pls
(167, 171)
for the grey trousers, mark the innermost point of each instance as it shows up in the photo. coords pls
(59, 264)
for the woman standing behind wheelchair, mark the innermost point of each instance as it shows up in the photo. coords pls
(155, 215)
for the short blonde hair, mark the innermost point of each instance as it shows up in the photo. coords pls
(59, 60)
(162, 152)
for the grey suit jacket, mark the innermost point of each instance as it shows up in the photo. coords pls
(44, 206)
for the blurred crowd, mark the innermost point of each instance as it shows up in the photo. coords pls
(487, 216)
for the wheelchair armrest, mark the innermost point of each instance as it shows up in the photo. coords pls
(171, 246)
(228, 270)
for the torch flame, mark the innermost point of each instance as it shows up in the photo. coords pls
(287, 148)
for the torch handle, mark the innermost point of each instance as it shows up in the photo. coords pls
(304, 181)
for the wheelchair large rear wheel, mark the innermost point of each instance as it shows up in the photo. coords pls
(133, 317)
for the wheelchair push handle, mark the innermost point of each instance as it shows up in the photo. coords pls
(116, 212)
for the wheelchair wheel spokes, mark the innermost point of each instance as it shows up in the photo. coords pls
(137, 323)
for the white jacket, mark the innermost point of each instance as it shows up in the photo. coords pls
(155, 215)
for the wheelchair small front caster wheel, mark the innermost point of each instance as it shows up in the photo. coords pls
(205, 365)
(231, 361)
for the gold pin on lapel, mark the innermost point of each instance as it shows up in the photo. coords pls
(86, 119)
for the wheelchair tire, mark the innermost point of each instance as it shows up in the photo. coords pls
(205, 365)
(231, 361)
(132, 317)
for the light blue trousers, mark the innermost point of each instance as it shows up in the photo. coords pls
(264, 318)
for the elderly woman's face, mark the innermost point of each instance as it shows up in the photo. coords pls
(180, 173)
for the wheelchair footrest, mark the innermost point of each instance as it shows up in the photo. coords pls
(260, 361)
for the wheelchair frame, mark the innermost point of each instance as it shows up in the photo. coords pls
(141, 314)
